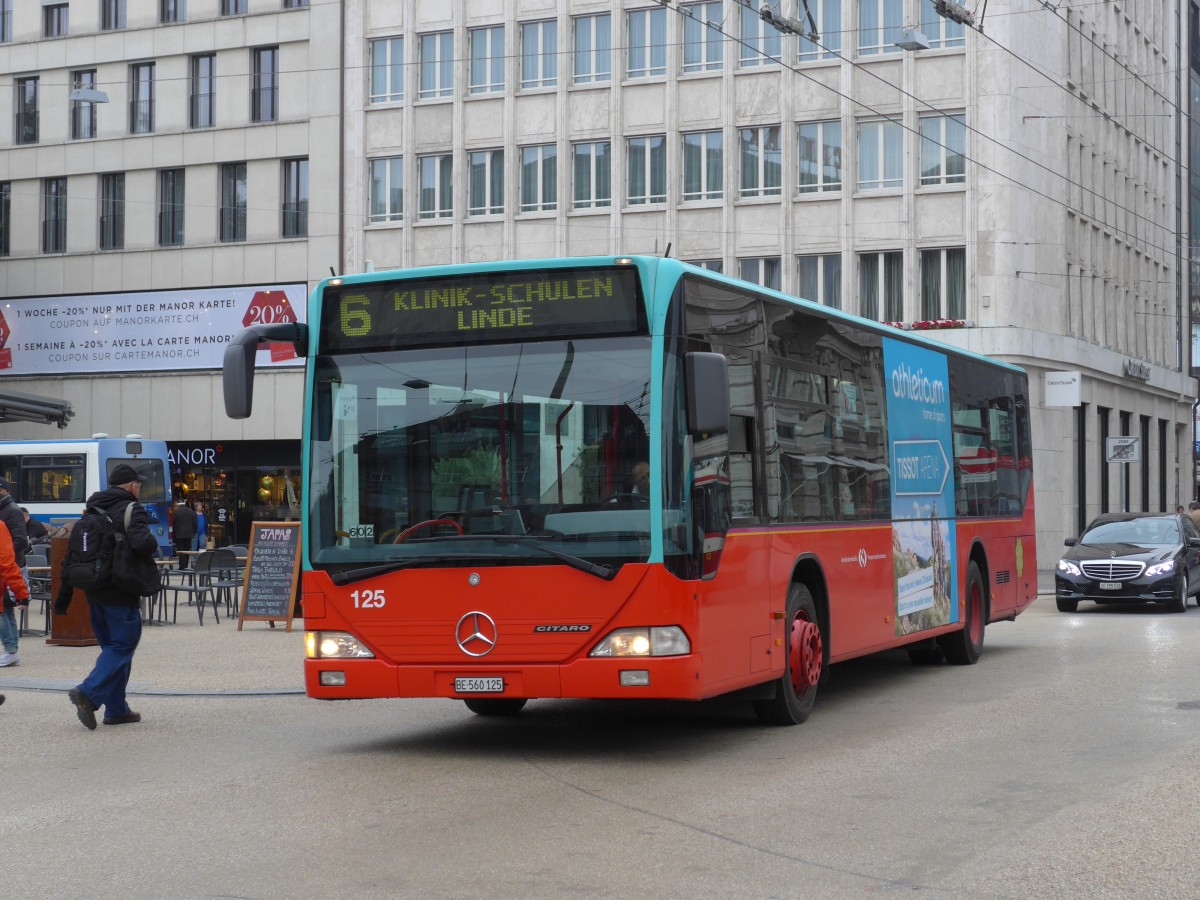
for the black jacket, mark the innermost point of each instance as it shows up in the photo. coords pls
(183, 523)
(139, 538)
(14, 519)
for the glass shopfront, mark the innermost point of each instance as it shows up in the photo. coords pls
(235, 483)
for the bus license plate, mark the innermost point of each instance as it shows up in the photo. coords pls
(479, 685)
(1110, 585)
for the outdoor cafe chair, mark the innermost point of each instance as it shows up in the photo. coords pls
(226, 570)
(200, 587)
(39, 590)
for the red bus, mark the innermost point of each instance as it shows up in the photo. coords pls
(629, 477)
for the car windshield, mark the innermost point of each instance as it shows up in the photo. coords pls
(511, 453)
(1148, 532)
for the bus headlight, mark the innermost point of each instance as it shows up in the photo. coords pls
(667, 640)
(334, 645)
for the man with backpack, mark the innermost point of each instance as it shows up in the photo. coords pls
(113, 516)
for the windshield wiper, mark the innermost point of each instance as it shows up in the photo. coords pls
(607, 572)
(395, 565)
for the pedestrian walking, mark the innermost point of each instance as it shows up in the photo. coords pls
(201, 540)
(116, 614)
(14, 521)
(183, 521)
(18, 590)
(1194, 512)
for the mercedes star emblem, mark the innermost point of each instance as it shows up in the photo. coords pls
(476, 634)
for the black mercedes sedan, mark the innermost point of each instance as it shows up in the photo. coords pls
(1131, 558)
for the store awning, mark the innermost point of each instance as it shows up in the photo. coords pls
(17, 407)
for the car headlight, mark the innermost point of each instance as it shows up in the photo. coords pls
(334, 645)
(1065, 565)
(658, 641)
(1161, 568)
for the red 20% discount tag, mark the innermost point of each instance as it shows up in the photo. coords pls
(271, 308)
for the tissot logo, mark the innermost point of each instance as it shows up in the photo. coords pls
(545, 628)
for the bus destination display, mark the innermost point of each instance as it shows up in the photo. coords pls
(487, 307)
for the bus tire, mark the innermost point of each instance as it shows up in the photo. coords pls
(962, 648)
(496, 707)
(804, 663)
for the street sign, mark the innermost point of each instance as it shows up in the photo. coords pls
(1123, 449)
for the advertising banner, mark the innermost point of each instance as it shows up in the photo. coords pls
(922, 459)
(145, 331)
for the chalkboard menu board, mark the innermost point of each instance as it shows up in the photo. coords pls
(272, 573)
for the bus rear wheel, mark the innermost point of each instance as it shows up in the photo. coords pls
(796, 691)
(495, 707)
(962, 648)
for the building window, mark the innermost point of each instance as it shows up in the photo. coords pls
(485, 183)
(5, 216)
(762, 270)
(879, 26)
(761, 162)
(539, 55)
(713, 265)
(112, 15)
(437, 65)
(942, 32)
(54, 20)
(881, 286)
(387, 189)
(761, 42)
(820, 152)
(27, 111)
(141, 98)
(54, 215)
(112, 211)
(944, 283)
(5, 21)
(647, 43)
(943, 150)
(703, 165)
(821, 278)
(593, 174)
(487, 60)
(202, 91)
(647, 159)
(593, 49)
(703, 43)
(539, 178)
(295, 198)
(170, 208)
(880, 155)
(387, 70)
(827, 14)
(295, 4)
(264, 91)
(436, 187)
(233, 202)
(234, 7)
(172, 11)
(83, 112)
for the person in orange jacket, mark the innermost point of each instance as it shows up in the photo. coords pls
(11, 577)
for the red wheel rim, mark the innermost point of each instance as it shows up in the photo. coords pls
(804, 653)
(975, 611)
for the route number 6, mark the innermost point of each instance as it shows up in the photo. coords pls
(369, 599)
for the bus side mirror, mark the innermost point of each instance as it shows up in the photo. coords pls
(237, 375)
(707, 385)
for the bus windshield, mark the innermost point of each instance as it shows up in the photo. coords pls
(482, 455)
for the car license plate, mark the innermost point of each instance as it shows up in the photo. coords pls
(1110, 585)
(479, 685)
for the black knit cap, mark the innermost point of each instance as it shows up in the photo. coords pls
(124, 474)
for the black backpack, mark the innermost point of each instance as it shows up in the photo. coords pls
(90, 550)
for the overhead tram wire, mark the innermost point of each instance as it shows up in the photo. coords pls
(1131, 238)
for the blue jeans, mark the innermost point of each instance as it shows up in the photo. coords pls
(118, 629)
(8, 630)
